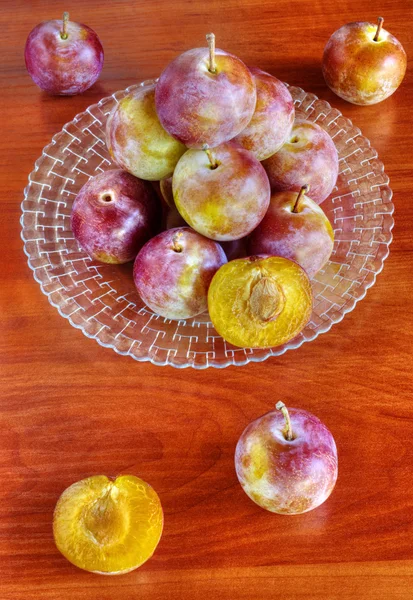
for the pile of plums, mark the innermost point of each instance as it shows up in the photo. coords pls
(241, 180)
(214, 167)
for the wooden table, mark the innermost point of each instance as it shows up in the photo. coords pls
(70, 408)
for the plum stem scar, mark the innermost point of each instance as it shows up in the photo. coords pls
(304, 189)
(380, 22)
(65, 19)
(211, 45)
(211, 157)
(176, 246)
(289, 433)
(107, 197)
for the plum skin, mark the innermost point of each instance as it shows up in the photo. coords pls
(113, 215)
(308, 157)
(198, 107)
(63, 66)
(287, 477)
(360, 70)
(173, 271)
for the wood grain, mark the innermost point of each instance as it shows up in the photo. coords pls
(70, 408)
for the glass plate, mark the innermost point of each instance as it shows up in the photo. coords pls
(101, 300)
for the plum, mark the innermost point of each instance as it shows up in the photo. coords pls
(137, 141)
(173, 271)
(363, 63)
(294, 227)
(286, 461)
(113, 215)
(223, 193)
(205, 96)
(309, 156)
(63, 57)
(273, 118)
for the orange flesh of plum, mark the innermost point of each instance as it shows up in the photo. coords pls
(260, 302)
(108, 527)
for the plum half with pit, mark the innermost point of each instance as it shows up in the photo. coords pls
(173, 271)
(309, 155)
(260, 301)
(205, 96)
(108, 526)
(63, 57)
(113, 215)
(221, 193)
(297, 228)
(286, 461)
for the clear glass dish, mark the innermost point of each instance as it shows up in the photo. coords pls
(101, 300)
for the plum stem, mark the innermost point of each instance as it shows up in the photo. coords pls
(176, 246)
(281, 406)
(211, 45)
(305, 188)
(212, 160)
(380, 22)
(63, 35)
